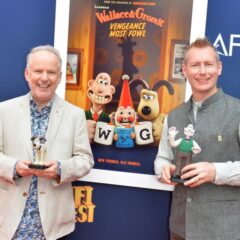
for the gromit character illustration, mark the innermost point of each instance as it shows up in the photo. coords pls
(100, 92)
(149, 108)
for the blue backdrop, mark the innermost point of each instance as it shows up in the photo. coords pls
(24, 24)
(120, 212)
(223, 21)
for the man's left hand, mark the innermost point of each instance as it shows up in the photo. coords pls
(49, 173)
(198, 173)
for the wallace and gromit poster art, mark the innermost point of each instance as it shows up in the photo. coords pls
(124, 69)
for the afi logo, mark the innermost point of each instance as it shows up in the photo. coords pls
(227, 50)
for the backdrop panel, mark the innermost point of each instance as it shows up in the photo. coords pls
(121, 213)
(223, 24)
(24, 24)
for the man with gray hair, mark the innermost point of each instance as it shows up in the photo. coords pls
(206, 205)
(38, 203)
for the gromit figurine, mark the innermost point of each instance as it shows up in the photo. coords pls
(186, 147)
(40, 148)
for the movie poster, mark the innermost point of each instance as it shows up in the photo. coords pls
(131, 51)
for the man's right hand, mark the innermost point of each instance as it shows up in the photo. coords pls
(22, 168)
(167, 171)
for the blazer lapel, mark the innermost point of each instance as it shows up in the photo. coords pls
(25, 123)
(55, 119)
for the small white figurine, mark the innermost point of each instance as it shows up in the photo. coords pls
(39, 144)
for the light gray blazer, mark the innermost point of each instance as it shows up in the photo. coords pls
(67, 142)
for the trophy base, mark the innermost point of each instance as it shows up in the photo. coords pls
(37, 166)
(177, 179)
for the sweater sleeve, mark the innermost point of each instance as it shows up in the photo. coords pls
(165, 154)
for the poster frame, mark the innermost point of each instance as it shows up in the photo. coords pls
(176, 57)
(199, 11)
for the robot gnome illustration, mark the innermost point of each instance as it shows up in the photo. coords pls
(125, 118)
(186, 147)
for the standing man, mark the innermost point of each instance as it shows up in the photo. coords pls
(39, 204)
(205, 206)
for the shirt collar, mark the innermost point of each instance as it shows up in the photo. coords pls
(33, 103)
(92, 111)
(212, 99)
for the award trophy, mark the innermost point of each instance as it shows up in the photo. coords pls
(186, 147)
(40, 148)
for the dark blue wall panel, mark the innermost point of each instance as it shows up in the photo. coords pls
(24, 24)
(125, 213)
(223, 18)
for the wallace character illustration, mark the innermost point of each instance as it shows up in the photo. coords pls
(125, 117)
(186, 147)
(100, 92)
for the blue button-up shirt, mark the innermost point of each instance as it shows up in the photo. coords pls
(30, 226)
